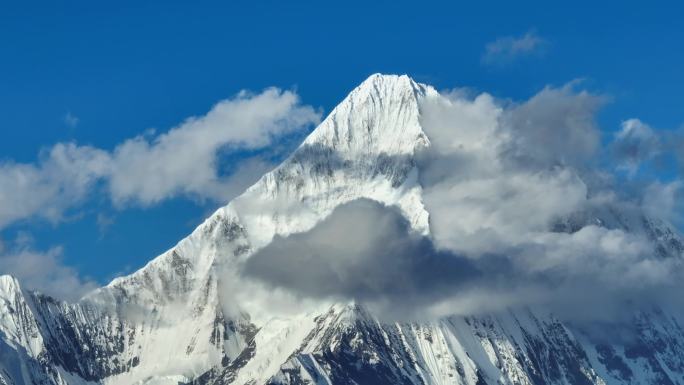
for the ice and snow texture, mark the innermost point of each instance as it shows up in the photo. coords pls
(187, 316)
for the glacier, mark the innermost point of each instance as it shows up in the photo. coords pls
(185, 319)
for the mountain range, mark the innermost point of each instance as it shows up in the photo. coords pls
(190, 317)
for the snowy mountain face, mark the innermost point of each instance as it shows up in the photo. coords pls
(187, 318)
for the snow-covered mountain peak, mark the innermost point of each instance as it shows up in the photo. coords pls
(363, 149)
(380, 116)
(8, 282)
(189, 317)
(386, 84)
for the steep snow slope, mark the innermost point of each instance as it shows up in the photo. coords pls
(173, 321)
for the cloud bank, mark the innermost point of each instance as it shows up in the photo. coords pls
(534, 194)
(365, 251)
(521, 214)
(520, 211)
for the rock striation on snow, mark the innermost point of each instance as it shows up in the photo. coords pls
(170, 323)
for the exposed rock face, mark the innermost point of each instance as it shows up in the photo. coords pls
(167, 322)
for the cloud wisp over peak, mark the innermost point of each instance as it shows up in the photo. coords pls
(520, 214)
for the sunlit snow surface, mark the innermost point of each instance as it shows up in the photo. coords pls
(187, 316)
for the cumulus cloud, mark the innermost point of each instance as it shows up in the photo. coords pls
(365, 251)
(664, 200)
(555, 127)
(518, 183)
(483, 215)
(517, 216)
(495, 174)
(638, 148)
(508, 48)
(62, 178)
(184, 161)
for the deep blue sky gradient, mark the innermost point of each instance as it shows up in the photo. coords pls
(123, 67)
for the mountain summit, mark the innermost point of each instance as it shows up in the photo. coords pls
(188, 317)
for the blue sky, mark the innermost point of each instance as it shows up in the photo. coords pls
(99, 74)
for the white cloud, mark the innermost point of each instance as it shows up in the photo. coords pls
(490, 214)
(495, 175)
(62, 177)
(662, 200)
(634, 144)
(500, 178)
(45, 272)
(517, 215)
(508, 48)
(364, 251)
(555, 127)
(496, 181)
(184, 161)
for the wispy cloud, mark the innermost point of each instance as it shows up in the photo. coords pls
(62, 177)
(149, 168)
(184, 160)
(103, 222)
(71, 120)
(665, 200)
(43, 270)
(508, 48)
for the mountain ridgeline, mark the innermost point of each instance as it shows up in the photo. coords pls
(179, 319)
